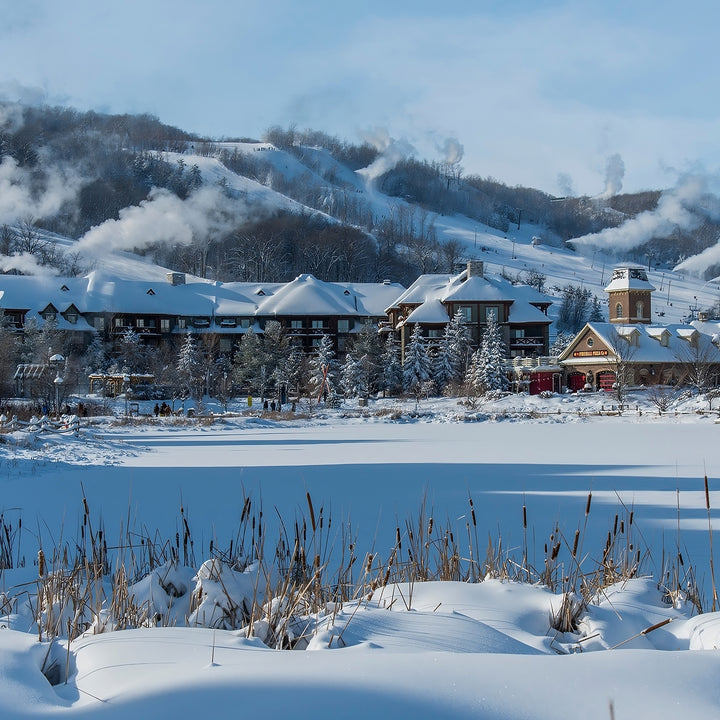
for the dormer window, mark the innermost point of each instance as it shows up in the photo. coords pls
(347, 292)
(150, 292)
(260, 292)
(65, 288)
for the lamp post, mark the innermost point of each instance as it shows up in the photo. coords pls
(57, 361)
(58, 381)
(126, 388)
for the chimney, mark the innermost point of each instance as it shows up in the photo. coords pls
(175, 278)
(475, 268)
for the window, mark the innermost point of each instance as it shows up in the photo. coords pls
(317, 324)
(618, 310)
(118, 322)
(467, 313)
(492, 311)
(435, 332)
(99, 323)
(639, 307)
(244, 322)
(343, 326)
(181, 323)
(296, 324)
(71, 317)
(164, 325)
(590, 342)
(140, 323)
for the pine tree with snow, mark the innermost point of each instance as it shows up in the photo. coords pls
(416, 368)
(392, 377)
(473, 375)
(132, 352)
(323, 369)
(351, 378)
(491, 375)
(562, 340)
(596, 311)
(442, 370)
(190, 368)
(94, 359)
(458, 345)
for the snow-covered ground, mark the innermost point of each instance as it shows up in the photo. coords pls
(436, 649)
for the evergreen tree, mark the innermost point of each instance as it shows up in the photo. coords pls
(442, 369)
(323, 369)
(416, 368)
(458, 345)
(562, 340)
(392, 372)
(574, 308)
(351, 377)
(132, 352)
(190, 369)
(94, 358)
(247, 362)
(368, 348)
(472, 374)
(491, 375)
(596, 311)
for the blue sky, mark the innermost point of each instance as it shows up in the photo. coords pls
(538, 93)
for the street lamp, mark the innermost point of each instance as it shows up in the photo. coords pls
(58, 381)
(126, 388)
(57, 361)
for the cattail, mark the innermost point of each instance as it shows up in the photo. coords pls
(587, 507)
(555, 551)
(430, 527)
(41, 563)
(575, 543)
(312, 513)
(524, 518)
(707, 494)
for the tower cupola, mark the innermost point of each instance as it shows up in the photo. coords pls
(629, 296)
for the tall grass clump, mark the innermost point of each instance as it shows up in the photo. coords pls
(275, 578)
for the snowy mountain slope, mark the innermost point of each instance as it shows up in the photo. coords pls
(522, 250)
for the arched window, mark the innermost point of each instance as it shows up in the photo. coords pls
(639, 307)
(618, 310)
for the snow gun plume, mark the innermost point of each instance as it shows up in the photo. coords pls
(391, 152)
(164, 217)
(452, 151)
(614, 175)
(683, 207)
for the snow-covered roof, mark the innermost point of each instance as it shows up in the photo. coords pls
(431, 312)
(101, 292)
(651, 344)
(629, 278)
(475, 288)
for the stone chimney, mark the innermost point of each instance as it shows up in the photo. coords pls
(475, 268)
(175, 278)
